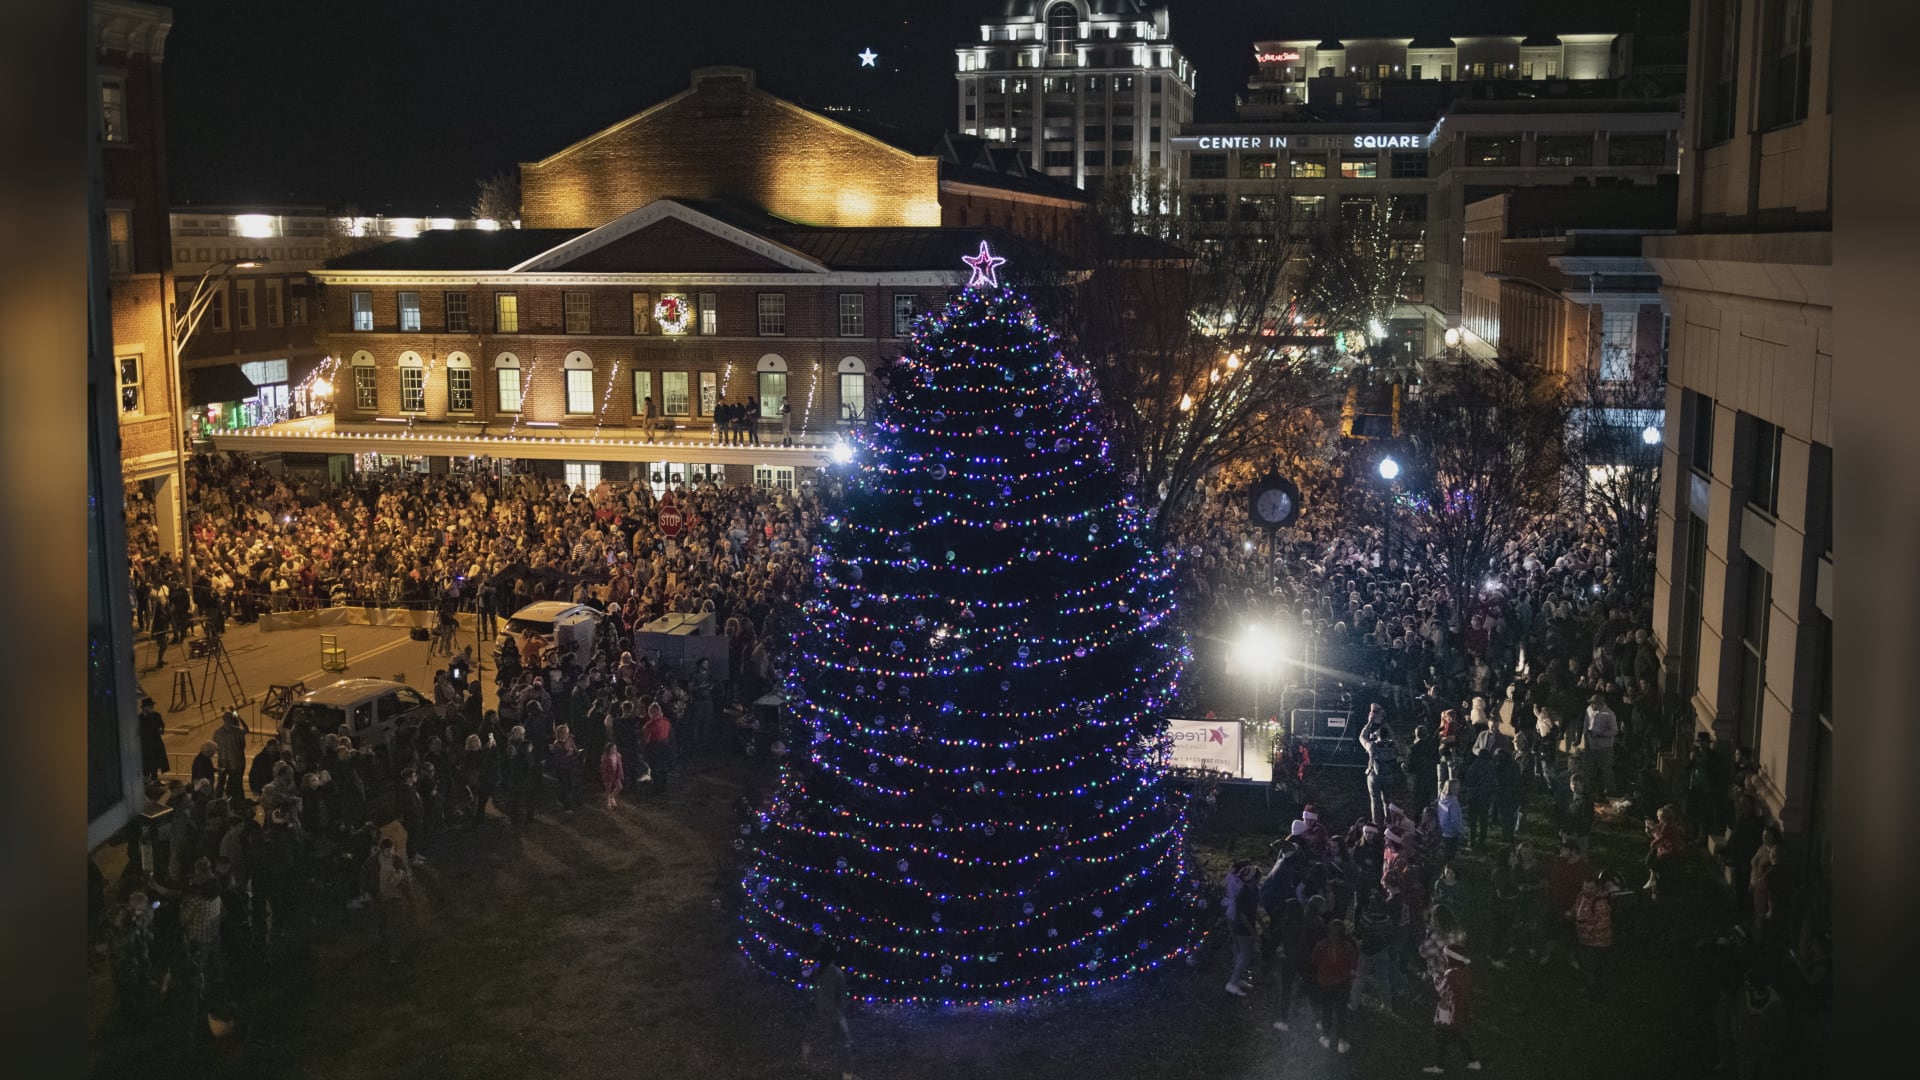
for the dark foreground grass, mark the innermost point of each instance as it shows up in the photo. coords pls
(590, 946)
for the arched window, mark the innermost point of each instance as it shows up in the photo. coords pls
(853, 389)
(773, 384)
(413, 382)
(459, 382)
(1063, 25)
(506, 377)
(366, 383)
(579, 369)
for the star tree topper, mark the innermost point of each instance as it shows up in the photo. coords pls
(983, 265)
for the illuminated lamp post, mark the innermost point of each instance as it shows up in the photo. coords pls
(180, 331)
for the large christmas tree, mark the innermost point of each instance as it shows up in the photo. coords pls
(982, 814)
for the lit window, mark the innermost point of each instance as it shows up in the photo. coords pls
(508, 381)
(460, 389)
(579, 391)
(852, 316)
(905, 307)
(409, 311)
(366, 389)
(709, 313)
(413, 389)
(1359, 166)
(853, 396)
(363, 311)
(1307, 167)
(506, 313)
(773, 393)
(130, 385)
(1616, 346)
(642, 390)
(673, 393)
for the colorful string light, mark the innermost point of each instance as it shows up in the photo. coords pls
(978, 814)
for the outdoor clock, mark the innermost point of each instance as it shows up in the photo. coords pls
(1275, 501)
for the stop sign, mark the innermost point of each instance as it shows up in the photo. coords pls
(670, 520)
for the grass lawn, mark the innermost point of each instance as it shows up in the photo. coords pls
(591, 945)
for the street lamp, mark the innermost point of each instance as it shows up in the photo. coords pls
(1389, 472)
(1453, 337)
(1651, 436)
(180, 331)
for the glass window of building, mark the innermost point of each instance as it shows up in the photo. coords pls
(642, 390)
(905, 307)
(673, 393)
(773, 393)
(362, 311)
(1563, 149)
(853, 396)
(1636, 149)
(506, 313)
(1309, 207)
(1207, 167)
(1407, 166)
(1307, 167)
(1063, 25)
(1407, 207)
(1357, 207)
(456, 303)
(409, 310)
(709, 313)
(578, 307)
(853, 321)
(459, 389)
(1788, 62)
(773, 314)
(1617, 332)
(507, 381)
(113, 109)
(366, 389)
(1259, 166)
(579, 391)
(1493, 149)
(1763, 478)
(413, 389)
(1753, 666)
(130, 393)
(1359, 166)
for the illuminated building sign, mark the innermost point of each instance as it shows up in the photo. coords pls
(1265, 142)
(1288, 57)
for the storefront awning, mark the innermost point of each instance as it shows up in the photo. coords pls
(219, 383)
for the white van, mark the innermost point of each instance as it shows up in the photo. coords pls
(568, 627)
(372, 708)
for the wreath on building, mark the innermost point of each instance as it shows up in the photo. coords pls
(673, 313)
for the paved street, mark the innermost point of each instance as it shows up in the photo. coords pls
(284, 657)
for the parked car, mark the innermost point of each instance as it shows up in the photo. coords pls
(371, 708)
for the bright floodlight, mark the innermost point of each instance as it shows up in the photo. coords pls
(1389, 468)
(1249, 545)
(1453, 338)
(1374, 328)
(1256, 650)
(1651, 435)
(842, 453)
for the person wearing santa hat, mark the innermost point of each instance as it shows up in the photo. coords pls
(1315, 837)
(1453, 988)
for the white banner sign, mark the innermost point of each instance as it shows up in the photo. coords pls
(1206, 744)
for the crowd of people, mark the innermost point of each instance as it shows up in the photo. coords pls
(257, 847)
(1544, 701)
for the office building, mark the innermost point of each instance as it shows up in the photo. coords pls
(1083, 88)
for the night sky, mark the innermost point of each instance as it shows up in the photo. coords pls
(400, 107)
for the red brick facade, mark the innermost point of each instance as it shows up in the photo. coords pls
(736, 143)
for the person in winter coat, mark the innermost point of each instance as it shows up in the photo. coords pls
(1760, 1026)
(204, 767)
(1335, 960)
(1453, 992)
(1666, 843)
(1453, 825)
(613, 774)
(1383, 761)
(1243, 920)
(1593, 927)
(153, 740)
(1423, 764)
(563, 754)
(1479, 789)
(1576, 812)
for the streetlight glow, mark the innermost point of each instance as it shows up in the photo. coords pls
(1453, 338)
(1186, 402)
(1389, 468)
(842, 453)
(1651, 436)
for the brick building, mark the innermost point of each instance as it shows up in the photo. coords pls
(780, 257)
(130, 44)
